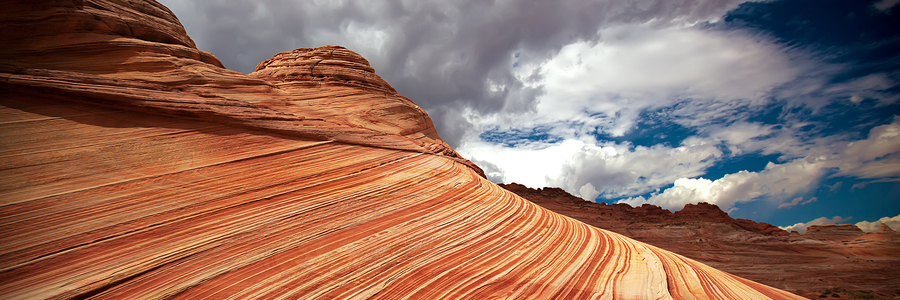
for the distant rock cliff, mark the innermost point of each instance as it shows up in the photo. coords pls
(134, 166)
(843, 231)
(826, 259)
(616, 216)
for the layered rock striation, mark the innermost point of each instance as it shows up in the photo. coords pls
(135, 167)
(831, 260)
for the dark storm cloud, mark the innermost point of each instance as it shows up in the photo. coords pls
(452, 59)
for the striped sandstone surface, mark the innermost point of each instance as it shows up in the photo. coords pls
(134, 166)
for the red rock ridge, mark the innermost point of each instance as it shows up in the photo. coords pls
(647, 213)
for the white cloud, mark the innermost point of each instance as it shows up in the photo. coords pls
(740, 133)
(877, 156)
(892, 222)
(745, 137)
(605, 85)
(588, 192)
(587, 170)
(869, 86)
(635, 67)
(801, 227)
(525, 164)
(617, 170)
(798, 201)
(494, 173)
(776, 180)
(885, 5)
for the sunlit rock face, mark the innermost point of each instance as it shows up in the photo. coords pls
(135, 167)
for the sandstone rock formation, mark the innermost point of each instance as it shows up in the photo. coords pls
(834, 232)
(827, 261)
(135, 167)
(886, 230)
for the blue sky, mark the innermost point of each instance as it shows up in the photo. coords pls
(783, 112)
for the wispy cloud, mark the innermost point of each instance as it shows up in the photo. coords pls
(885, 6)
(797, 201)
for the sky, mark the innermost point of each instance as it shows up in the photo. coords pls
(785, 112)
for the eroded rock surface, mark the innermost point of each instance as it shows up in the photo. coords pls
(135, 167)
(886, 230)
(828, 261)
(834, 232)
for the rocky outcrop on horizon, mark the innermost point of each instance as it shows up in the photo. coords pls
(886, 230)
(135, 166)
(834, 232)
(827, 260)
(556, 198)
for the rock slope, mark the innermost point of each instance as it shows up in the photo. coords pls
(826, 261)
(135, 167)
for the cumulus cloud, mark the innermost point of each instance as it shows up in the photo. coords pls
(798, 201)
(604, 86)
(494, 173)
(776, 180)
(450, 55)
(801, 227)
(892, 222)
(526, 164)
(590, 170)
(616, 170)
